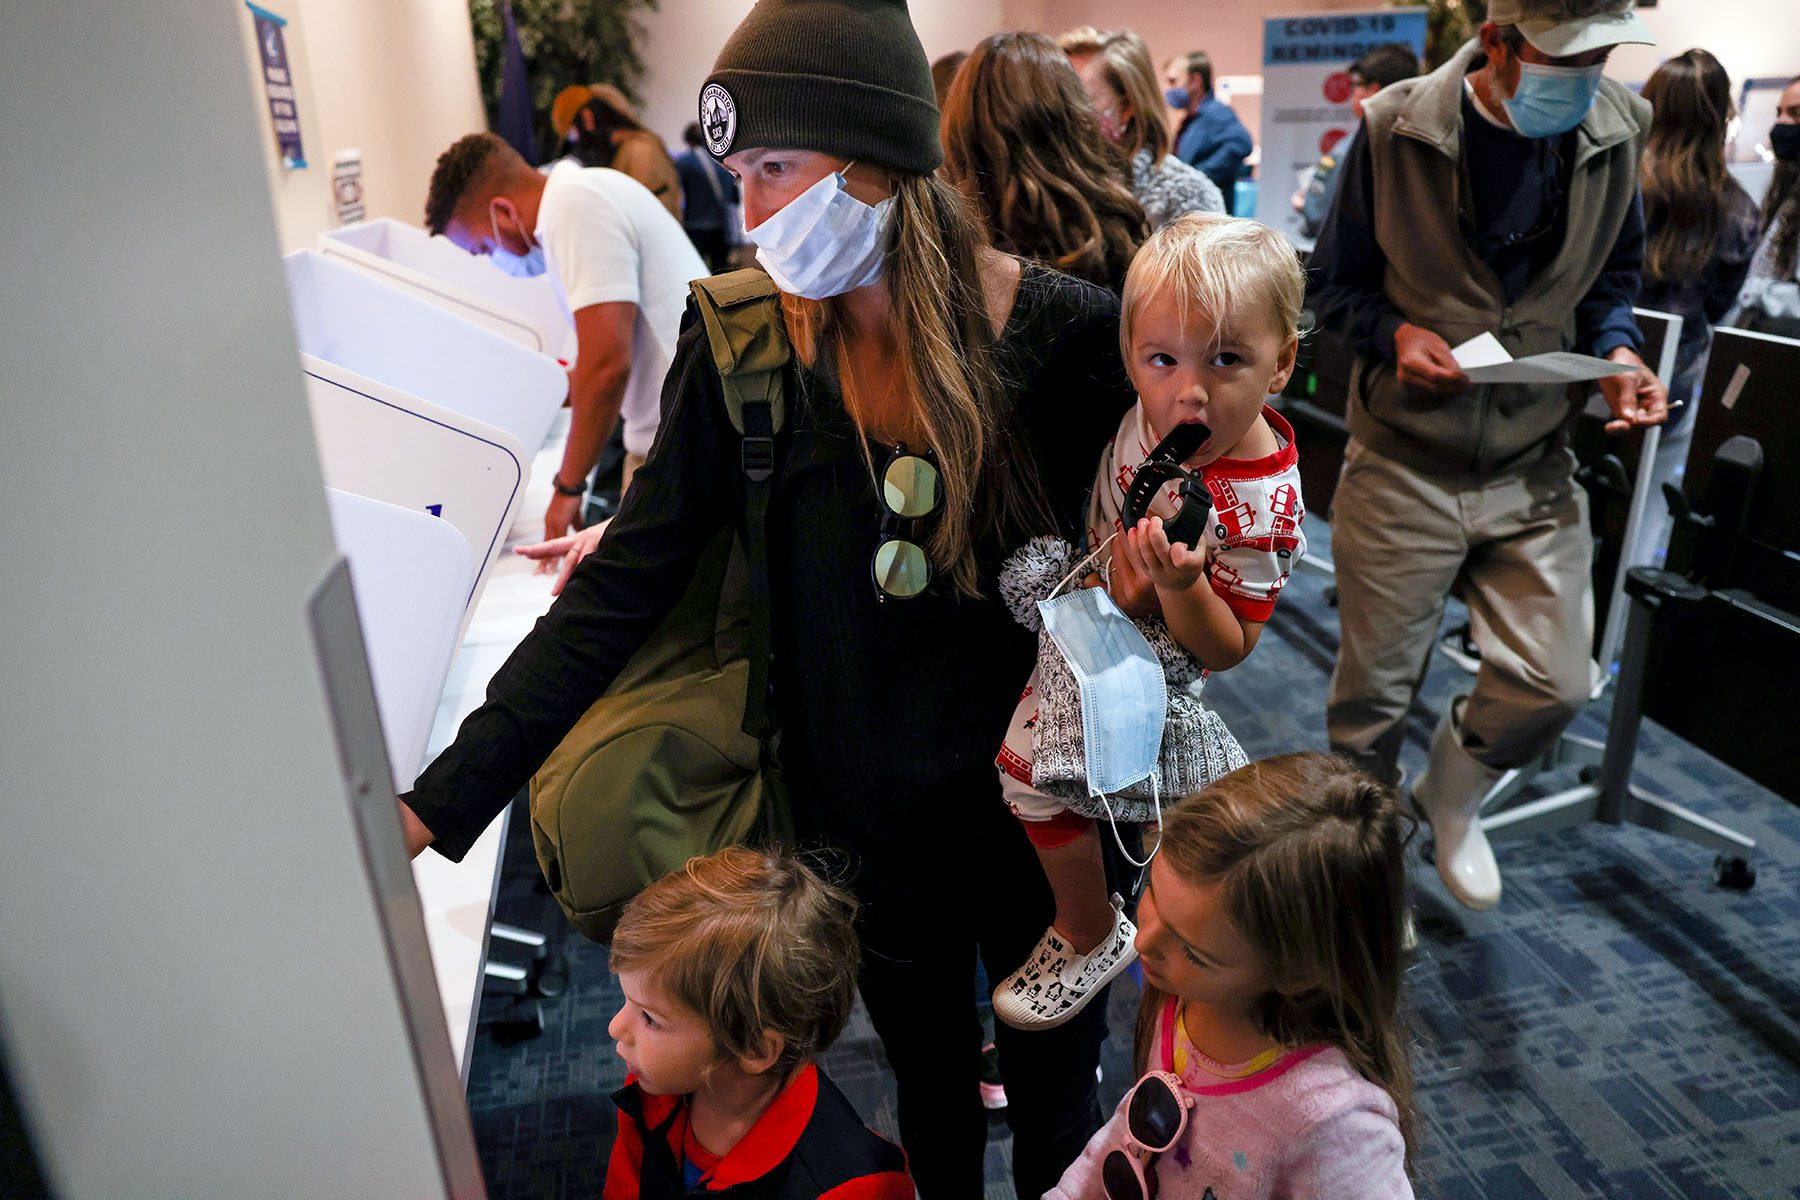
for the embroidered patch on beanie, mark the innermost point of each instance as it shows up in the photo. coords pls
(718, 118)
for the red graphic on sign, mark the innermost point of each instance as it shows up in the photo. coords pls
(1330, 138)
(1337, 87)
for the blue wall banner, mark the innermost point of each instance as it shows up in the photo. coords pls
(284, 114)
(1306, 95)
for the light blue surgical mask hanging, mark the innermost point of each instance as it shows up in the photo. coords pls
(1124, 696)
(520, 266)
(1550, 101)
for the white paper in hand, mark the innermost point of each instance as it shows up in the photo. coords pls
(1484, 360)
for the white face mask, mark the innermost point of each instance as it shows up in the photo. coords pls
(825, 242)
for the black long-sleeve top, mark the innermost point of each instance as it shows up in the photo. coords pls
(891, 712)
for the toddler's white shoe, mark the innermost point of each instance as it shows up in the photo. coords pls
(1056, 983)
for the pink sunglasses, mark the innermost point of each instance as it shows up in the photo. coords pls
(1156, 1113)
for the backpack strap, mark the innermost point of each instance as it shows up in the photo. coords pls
(742, 314)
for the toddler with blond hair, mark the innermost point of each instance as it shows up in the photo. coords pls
(1209, 332)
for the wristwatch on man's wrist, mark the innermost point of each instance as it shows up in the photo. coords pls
(563, 489)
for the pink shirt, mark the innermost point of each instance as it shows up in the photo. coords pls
(1305, 1126)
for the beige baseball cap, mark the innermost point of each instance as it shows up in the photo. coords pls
(1561, 28)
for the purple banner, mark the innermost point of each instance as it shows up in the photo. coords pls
(284, 114)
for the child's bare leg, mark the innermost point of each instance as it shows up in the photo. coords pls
(1084, 912)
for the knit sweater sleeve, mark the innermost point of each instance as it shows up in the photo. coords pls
(1356, 1153)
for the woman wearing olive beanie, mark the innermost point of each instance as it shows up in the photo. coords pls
(892, 675)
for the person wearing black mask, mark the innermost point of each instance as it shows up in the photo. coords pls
(1770, 301)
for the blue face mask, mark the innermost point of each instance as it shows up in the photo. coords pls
(1177, 97)
(1552, 100)
(519, 266)
(1124, 698)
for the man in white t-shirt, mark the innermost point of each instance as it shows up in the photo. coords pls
(622, 263)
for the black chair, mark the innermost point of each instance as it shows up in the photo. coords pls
(1712, 646)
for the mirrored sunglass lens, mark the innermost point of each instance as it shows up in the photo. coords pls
(1119, 1180)
(901, 568)
(910, 486)
(1155, 1114)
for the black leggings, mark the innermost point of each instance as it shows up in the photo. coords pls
(983, 893)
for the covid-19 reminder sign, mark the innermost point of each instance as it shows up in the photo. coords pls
(1306, 95)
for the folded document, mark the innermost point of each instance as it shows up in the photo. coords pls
(1484, 360)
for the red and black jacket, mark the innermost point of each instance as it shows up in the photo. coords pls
(809, 1144)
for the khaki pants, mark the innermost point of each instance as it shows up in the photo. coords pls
(1515, 547)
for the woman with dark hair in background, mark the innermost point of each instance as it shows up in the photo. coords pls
(1700, 230)
(1115, 69)
(1770, 301)
(1700, 224)
(1022, 142)
(597, 124)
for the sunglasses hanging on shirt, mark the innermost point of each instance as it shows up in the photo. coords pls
(1188, 525)
(911, 491)
(1156, 1113)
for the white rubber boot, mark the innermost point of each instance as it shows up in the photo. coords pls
(1449, 795)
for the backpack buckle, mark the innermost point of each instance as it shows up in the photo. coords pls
(757, 456)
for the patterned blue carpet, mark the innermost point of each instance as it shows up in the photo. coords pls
(1618, 1027)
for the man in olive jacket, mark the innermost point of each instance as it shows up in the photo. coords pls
(1497, 194)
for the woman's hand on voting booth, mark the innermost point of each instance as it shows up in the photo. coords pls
(563, 552)
(417, 836)
(1639, 398)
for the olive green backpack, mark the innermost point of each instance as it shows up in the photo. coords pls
(676, 759)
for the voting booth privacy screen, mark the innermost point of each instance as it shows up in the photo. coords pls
(410, 572)
(370, 326)
(418, 408)
(530, 311)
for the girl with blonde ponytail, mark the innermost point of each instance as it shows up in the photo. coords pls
(945, 403)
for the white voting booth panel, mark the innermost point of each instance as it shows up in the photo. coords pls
(411, 574)
(528, 311)
(367, 326)
(379, 442)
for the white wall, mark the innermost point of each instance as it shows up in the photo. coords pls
(195, 995)
(392, 78)
(683, 38)
(1750, 37)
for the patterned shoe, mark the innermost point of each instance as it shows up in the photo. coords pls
(1056, 983)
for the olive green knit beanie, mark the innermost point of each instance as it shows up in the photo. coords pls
(843, 77)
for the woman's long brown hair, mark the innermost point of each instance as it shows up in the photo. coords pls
(1021, 141)
(944, 339)
(1307, 853)
(1687, 191)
